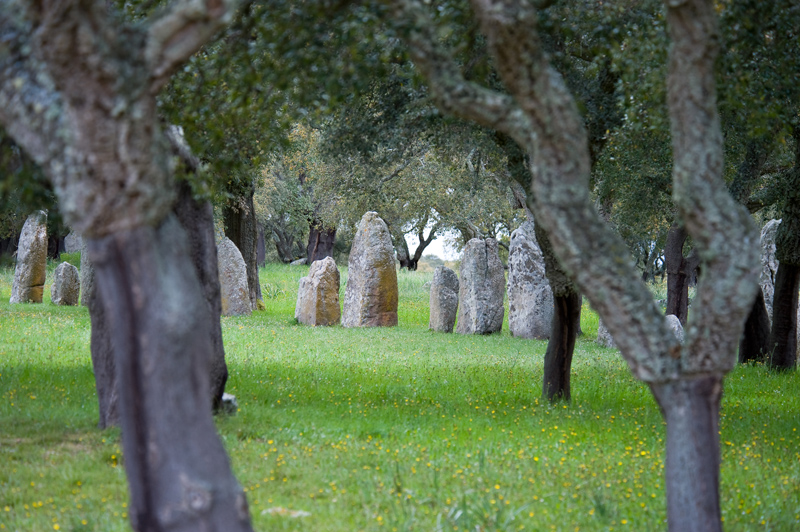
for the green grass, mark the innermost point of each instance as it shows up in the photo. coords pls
(389, 429)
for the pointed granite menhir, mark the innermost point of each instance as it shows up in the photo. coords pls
(370, 298)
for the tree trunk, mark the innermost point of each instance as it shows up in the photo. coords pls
(153, 301)
(754, 345)
(320, 241)
(783, 336)
(105, 375)
(261, 248)
(241, 227)
(561, 346)
(691, 410)
(197, 219)
(680, 270)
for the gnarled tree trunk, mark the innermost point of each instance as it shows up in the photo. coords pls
(153, 302)
(197, 219)
(754, 345)
(320, 241)
(100, 144)
(680, 270)
(783, 336)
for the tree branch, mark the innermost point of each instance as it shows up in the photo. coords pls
(174, 36)
(452, 93)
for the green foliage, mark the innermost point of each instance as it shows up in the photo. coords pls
(375, 429)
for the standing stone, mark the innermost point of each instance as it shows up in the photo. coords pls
(603, 336)
(481, 288)
(73, 243)
(318, 295)
(769, 263)
(769, 270)
(444, 300)
(31, 270)
(530, 299)
(234, 291)
(370, 298)
(675, 325)
(66, 285)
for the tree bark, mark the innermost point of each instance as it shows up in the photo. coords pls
(561, 346)
(261, 249)
(783, 336)
(320, 241)
(691, 410)
(152, 299)
(197, 219)
(105, 374)
(754, 345)
(242, 228)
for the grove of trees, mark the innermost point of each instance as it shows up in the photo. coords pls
(642, 139)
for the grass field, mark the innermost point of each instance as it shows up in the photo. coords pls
(389, 429)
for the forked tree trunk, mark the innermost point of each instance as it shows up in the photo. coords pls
(691, 410)
(783, 336)
(754, 345)
(153, 302)
(197, 219)
(242, 228)
(561, 346)
(320, 241)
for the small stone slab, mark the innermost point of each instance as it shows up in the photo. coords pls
(603, 336)
(675, 325)
(31, 270)
(66, 286)
(73, 242)
(444, 300)
(318, 294)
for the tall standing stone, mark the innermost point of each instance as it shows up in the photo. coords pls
(234, 291)
(769, 263)
(31, 270)
(318, 294)
(66, 285)
(769, 269)
(444, 300)
(481, 288)
(530, 299)
(370, 298)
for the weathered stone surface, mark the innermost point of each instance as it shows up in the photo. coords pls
(31, 270)
(73, 242)
(66, 287)
(318, 294)
(769, 263)
(530, 299)
(370, 298)
(299, 262)
(675, 325)
(481, 288)
(444, 300)
(603, 336)
(234, 292)
(229, 405)
(769, 269)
